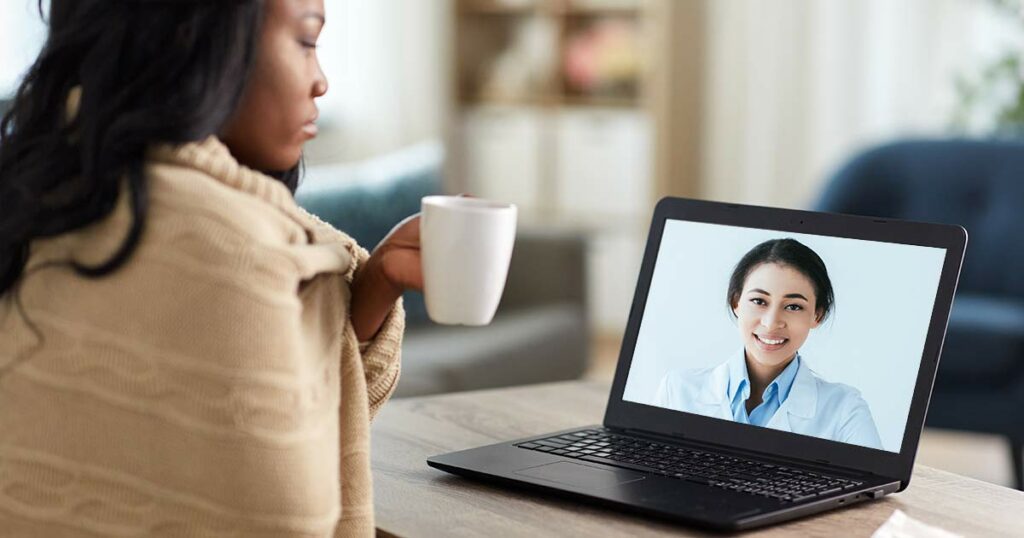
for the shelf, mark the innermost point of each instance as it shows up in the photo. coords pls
(492, 7)
(510, 100)
(600, 11)
(552, 101)
(555, 110)
(562, 8)
(591, 224)
(600, 102)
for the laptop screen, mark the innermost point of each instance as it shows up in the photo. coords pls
(810, 334)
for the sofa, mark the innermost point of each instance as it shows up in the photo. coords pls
(978, 184)
(541, 330)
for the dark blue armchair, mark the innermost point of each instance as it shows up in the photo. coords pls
(980, 186)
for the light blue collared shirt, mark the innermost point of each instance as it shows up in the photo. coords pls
(773, 397)
(797, 401)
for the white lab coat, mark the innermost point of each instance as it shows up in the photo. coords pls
(814, 407)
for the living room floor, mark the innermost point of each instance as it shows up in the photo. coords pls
(943, 449)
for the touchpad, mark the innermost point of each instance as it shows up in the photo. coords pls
(581, 476)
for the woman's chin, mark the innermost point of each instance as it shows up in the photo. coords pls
(283, 163)
(770, 358)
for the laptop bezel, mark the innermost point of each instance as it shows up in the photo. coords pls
(624, 414)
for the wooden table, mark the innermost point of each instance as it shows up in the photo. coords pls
(412, 499)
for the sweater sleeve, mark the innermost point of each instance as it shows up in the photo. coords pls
(381, 356)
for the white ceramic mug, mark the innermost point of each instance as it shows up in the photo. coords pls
(466, 245)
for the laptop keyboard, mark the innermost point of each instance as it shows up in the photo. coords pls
(786, 484)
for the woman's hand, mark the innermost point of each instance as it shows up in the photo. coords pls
(399, 254)
(393, 267)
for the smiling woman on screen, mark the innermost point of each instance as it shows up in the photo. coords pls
(778, 292)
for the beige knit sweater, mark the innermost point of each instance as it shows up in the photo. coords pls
(212, 386)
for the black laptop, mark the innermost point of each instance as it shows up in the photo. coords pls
(776, 364)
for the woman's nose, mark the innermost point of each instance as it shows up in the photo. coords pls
(320, 82)
(320, 87)
(771, 320)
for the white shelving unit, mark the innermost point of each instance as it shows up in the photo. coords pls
(560, 108)
(602, 163)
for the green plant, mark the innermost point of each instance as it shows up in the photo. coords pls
(1012, 6)
(994, 97)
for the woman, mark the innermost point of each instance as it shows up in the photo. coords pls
(184, 350)
(778, 292)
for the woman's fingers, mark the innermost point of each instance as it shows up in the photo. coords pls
(402, 267)
(406, 233)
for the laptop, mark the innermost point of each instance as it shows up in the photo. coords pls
(775, 364)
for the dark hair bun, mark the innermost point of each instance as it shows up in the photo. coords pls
(792, 253)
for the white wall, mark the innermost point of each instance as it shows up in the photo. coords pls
(794, 87)
(22, 33)
(386, 63)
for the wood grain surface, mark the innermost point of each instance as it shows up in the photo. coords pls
(412, 499)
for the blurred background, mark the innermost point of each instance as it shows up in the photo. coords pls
(585, 112)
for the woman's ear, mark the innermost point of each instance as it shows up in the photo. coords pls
(819, 316)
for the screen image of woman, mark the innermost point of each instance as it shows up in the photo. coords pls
(778, 293)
